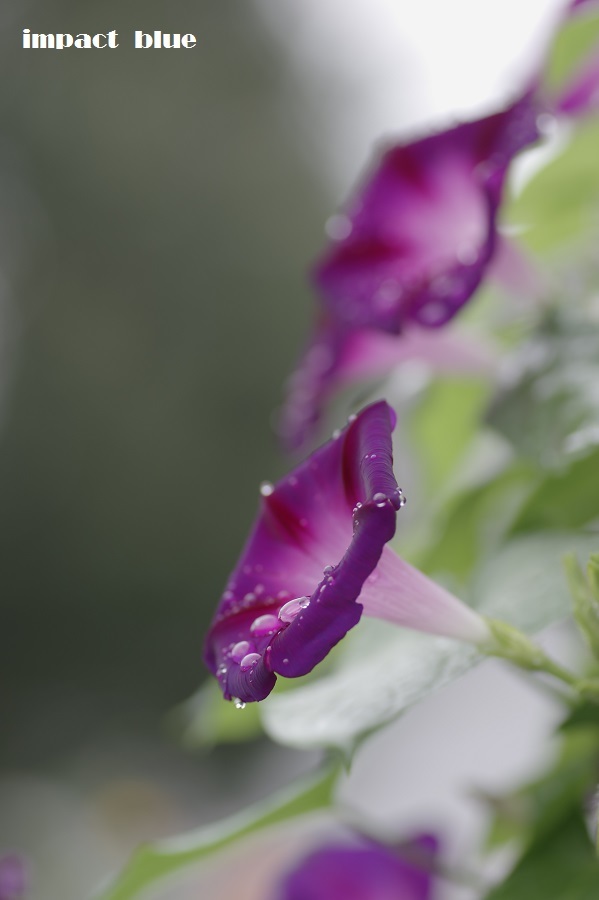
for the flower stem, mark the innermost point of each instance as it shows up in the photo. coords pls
(509, 643)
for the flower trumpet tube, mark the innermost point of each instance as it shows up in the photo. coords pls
(316, 560)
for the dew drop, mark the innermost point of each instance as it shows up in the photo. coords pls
(266, 488)
(237, 703)
(264, 625)
(352, 418)
(328, 570)
(433, 313)
(466, 254)
(380, 499)
(338, 227)
(240, 650)
(336, 434)
(293, 608)
(546, 123)
(249, 597)
(248, 662)
(285, 662)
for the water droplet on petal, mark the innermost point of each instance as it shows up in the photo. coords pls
(266, 488)
(338, 227)
(328, 570)
(249, 597)
(352, 418)
(237, 703)
(248, 662)
(336, 434)
(433, 313)
(293, 608)
(546, 123)
(240, 650)
(380, 499)
(467, 254)
(266, 624)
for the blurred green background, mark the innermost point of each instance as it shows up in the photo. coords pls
(163, 218)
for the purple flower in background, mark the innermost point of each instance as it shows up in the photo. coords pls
(317, 547)
(13, 880)
(337, 357)
(364, 871)
(414, 242)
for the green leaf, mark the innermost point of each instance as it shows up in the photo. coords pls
(157, 860)
(524, 583)
(550, 411)
(475, 522)
(574, 40)
(584, 603)
(205, 720)
(563, 867)
(381, 670)
(533, 812)
(566, 499)
(561, 203)
(443, 424)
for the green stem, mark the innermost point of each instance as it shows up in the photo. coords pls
(509, 643)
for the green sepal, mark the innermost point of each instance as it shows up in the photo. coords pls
(585, 600)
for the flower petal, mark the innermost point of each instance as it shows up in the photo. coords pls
(364, 353)
(319, 535)
(581, 96)
(364, 871)
(420, 232)
(13, 877)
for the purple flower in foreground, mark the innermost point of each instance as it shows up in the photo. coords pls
(364, 871)
(417, 237)
(13, 880)
(317, 547)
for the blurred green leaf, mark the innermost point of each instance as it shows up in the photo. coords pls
(533, 812)
(475, 522)
(157, 860)
(561, 203)
(577, 36)
(443, 425)
(205, 720)
(566, 499)
(549, 410)
(382, 670)
(584, 603)
(563, 867)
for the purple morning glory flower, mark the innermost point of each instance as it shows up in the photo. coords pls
(415, 240)
(13, 881)
(364, 871)
(317, 559)
(338, 356)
